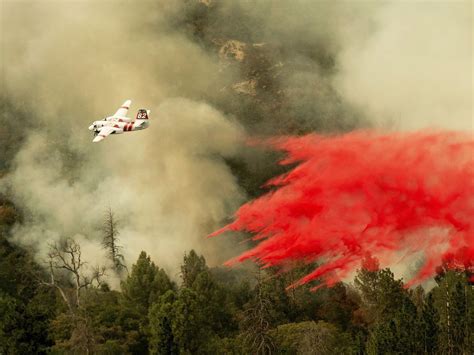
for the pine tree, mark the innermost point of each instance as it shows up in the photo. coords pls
(381, 293)
(110, 241)
(392, 316)
(161, 316)
(256, 322)
(145, 284)
(452, 297)
(188, 322)
(429, 323)
(142, 287)
(211, 297)
(192, 266)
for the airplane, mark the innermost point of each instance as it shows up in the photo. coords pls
(119, 123)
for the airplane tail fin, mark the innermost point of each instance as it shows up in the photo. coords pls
(142, 114)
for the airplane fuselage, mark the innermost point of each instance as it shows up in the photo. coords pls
(121, 125)
(119, 122)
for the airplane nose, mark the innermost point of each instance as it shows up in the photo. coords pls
(91, 127)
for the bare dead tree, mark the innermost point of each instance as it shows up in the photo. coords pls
(110, 241)
(256, 322)
(53, 283)
(66, 264)
(70, 276)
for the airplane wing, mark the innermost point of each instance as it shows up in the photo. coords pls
(104, 132)
(123, 110)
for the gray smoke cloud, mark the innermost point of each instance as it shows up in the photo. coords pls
(212, 72)
(75, 62)
(414, 68)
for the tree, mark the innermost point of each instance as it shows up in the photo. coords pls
(146, 283)
(178, 324)
(390, 313)
(312, 338)
(110, 241)
(142, 287)
(429, 323)
(114, 328)
(161, 316)
(65, 259)
(188, 332)
(453, 296)
(337, 306)
(192, 319)
(70, 277)
(10, 318)
(214, 303)
(380, 293)
(26, 308)
(192, 266)
(256, 322)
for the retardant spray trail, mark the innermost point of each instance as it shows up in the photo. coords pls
(366, 193)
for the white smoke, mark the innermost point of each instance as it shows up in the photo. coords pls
(73, 63)
(414, 69)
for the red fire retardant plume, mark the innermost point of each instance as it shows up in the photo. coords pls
(385, 195)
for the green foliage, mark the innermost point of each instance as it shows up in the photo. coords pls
(453, 299)
(145, 284)
(9, 318)
(187, 322)
(26, 309)
(18, 272)
(429, 325)
(114, 324)
(195, 317)
(161, 332)
(337, 305)
(178, 324)
(192, 266)
(229, 312)
(390, 312)
(399, 334)
(380, 292)
(23, 327)
(215, 304)
(306, 337)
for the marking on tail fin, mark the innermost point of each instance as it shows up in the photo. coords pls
(142, 114)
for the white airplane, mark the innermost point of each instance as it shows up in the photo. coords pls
(119, 123)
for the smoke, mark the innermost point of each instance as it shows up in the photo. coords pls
(414, 69)
(70, 64)
(366, 194)
(297, 44)
(211, 72)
